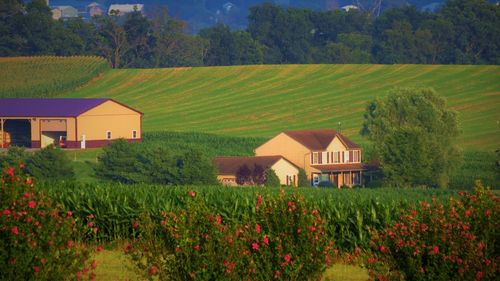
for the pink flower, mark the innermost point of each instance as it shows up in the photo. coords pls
(99, 249)
(94, 264)
(312, 228)
(259, 201)
(479, 275)
(372, 260)
(487, 213)
(10, 171)
(153, 270)
(36, 269)
(6, 212)
(288, 258)
(255, 246)
(135, 225)
(382, 249)
(32, 204)
(197, 247)
(315, 212)
(265, 240)
(42, 260)
(15, 230)
(21, 166)
(70, 243)
(69, 213)
(257, 228)
(192, 194)
(467, 213)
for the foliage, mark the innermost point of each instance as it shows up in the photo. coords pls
(38, 237)
(285, 240)
(46, 76)
(303, 181)
(413, 128)
(272, 179)
(350, 213)
(132, 163)
(14, 157)
(50, 163)
(255, 176)
(433, 241)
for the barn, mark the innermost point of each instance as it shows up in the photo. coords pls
(66, 122)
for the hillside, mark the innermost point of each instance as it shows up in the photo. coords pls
(263, 100)
(46, 76)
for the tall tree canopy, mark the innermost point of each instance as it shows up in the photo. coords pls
(413, 133)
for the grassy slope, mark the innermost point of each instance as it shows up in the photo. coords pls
(263, 100)
(46, 76)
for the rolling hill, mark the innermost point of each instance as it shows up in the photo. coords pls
(265, 99)
(261, 100)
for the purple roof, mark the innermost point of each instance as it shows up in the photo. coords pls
(46, 107)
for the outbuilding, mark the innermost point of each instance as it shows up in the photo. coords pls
(66, 122)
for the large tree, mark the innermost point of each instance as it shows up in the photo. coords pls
(413, 133)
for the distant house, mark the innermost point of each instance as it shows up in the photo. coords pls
(69, 123)
(123, 9)
(325, 155)
(94, 9)
(227, 168)
(347, 8)
(64, 12)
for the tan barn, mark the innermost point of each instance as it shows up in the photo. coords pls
(324, 154)
(68, 123)
(227, 167)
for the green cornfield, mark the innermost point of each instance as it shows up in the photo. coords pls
(350, 213)
(43, 77)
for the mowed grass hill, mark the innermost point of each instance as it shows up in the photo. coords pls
(262, 100)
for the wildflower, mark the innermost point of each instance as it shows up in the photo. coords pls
(467, 213)
(99, 249)
(127, 248)
(28, 182)
(6, 212)
(21, 166)
(434, 250)
(382, 249)
(93, 276)
(94, 264)
(163, 223)
(10, 172)
(288, 258)
(255, 246)
(197, 247)
(69, 213)
(36, 269)
(277, 274)
(259, 201)
(32, 204)
(312, 228)
(218, 220)
(135, 225)
(265, 240)
(257, 228)
(487, 212)
(315, 212)
(192, 194)
(479, 275)
(15, 230)
(42, 261)
(153, 270)
(70, 243)
(372, 260)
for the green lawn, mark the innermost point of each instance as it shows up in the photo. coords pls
(114, 265)
(260, 101)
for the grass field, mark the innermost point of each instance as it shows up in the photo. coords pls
(46, 76)
(260, 101)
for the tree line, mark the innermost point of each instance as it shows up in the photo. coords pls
(461, 32)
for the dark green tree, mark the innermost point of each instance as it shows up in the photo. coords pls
(196, 169)
(272, 179)
(258, 175)
(413, 134)
(50, 163)
(118, 162)
(303, 181)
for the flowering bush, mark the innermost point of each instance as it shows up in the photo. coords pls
(37, 239)
(284, 240)
(436, 242)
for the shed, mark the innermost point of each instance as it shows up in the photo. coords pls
(66, 122)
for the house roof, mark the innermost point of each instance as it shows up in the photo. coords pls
(319, 139)
(229, 165)
(341, 167)
(126, 8)
(64, 107)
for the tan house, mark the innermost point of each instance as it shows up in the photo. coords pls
(68, 123)
(324, 154)
(228, 166)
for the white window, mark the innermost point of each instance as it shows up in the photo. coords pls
(108, 135)
(346, 156)
(336, 156)
(324, 157)
(315, 158)
(134, 134)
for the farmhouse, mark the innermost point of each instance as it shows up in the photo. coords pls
(227, 168)
(68, 123)
(325, 155)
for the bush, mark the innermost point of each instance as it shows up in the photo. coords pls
(436, 242)
(14, 156)
(50, 163)
(37, 237)
(284, 240)
(272, 179)
(303, 181)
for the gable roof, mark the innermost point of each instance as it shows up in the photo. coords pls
(47, 107)
(319, 139)
(229, 165)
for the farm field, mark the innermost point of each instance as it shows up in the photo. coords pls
(260, 101)
(34, 77)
